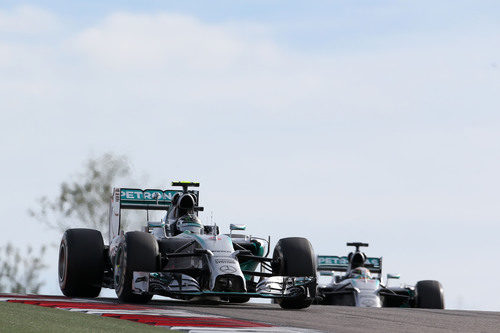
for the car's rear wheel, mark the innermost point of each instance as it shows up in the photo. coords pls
(81, 263)
(139, 252)
(429, 295)
(294, 256)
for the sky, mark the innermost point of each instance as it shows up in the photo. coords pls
(334, 120)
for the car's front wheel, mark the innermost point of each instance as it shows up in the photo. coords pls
(138, 252)
(429, 295)
(294, 256)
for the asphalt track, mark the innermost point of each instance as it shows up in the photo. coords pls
(350, 319)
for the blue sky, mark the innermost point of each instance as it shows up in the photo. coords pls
(342, 121)
(299, 23)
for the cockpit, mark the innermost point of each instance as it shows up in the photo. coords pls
(190, 223)
(360, 273)
(182, 216)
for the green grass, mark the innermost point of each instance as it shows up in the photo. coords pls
(15, 317)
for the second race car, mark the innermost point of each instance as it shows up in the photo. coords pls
(356, 280)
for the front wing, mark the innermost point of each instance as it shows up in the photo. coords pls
(178, 285)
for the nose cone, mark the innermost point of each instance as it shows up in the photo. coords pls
(369, 301)
(367, 293)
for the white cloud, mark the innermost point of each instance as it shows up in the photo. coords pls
(167, 41)
(27, 20)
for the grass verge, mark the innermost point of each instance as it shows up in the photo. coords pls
(15, 317)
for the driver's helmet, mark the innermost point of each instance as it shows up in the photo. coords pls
(361, 273)
(189, 222)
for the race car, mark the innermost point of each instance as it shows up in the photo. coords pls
(356, 280)
(179, 257)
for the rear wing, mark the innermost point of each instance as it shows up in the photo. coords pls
(132, 198)
(146, 199)
(341, 264)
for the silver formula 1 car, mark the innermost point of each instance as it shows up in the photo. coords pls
(180, 257)
(356, 280)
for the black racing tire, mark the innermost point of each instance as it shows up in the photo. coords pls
(294, 256)
(429, 295)
(81, 263)
(138, 252)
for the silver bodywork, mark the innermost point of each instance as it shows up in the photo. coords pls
(346, 288)
(365, 291)
(221, 261)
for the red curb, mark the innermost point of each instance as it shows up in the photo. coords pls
(155, 320)
(187, 321)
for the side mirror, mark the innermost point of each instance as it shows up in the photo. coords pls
(393, 276)
(233, 227)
